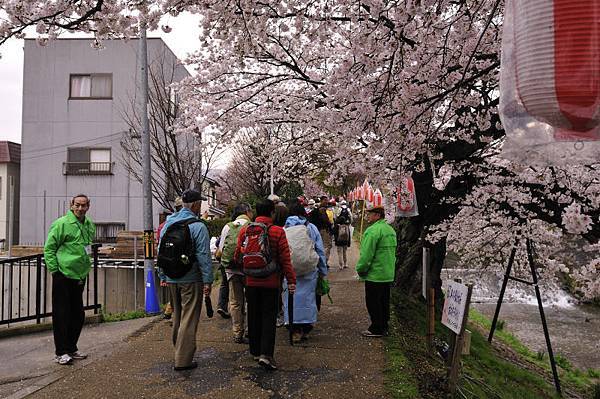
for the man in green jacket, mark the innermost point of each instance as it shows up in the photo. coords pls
(67, 256)
(376, 267)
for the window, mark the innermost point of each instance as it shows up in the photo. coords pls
(88, 161)
(92, 86)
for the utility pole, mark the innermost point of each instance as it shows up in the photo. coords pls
(11, 214)
(271, 159)
(151, 299)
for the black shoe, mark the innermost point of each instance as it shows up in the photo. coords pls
(240, 340)
(190, 367)
(167, 316)
(224, 314)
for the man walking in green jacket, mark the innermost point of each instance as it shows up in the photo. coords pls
(376, 266)
(67, 256)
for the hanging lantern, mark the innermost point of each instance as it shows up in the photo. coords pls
(370, 194)
(550, 78)
(377, 198)
(406, 198)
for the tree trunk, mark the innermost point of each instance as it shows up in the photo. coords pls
(411, 239)
(409, 257)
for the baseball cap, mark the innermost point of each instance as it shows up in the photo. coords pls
(274, 197)
(377, 209)
(190, 196)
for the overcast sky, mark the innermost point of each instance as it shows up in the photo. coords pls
(182, 40)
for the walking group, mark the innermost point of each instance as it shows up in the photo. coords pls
(274, 261)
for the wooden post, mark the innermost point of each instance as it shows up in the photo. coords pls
(362, 218)
(456, 353)
(429, 293)
(431, 319)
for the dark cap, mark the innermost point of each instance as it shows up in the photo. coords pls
(377, 209)
(190, 196)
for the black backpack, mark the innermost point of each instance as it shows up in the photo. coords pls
(176, 252)
(343, 217)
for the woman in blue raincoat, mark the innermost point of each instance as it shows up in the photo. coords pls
(305, 304)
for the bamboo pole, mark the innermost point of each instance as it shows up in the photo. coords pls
(362, 218)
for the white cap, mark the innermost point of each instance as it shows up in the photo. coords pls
(275, 198)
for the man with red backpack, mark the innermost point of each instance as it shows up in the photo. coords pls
(263, 251)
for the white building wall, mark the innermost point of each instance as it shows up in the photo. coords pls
(52, 123)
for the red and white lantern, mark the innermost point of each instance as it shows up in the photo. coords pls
(557, 64)
(377, 198)
(370, 193)
(550, 78)
(406, 198)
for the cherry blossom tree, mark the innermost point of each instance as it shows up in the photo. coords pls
(400, 87)
(248, 174)
(397, 87)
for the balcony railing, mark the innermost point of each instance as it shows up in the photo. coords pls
(88, 168)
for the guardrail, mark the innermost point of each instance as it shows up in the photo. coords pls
(26, 289)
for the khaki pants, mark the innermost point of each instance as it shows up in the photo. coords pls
(342, 256)
(327, 243)
(187, 304)
(237, 302)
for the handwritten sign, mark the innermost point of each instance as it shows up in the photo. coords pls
(454, 306)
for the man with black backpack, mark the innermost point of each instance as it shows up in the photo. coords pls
(263, 251)
(185, 265)
(234, 276)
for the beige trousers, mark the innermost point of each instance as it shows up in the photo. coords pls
(327, 243)
(187, 304)
(237, 301)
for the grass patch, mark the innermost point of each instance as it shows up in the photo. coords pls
(505, 370)
(579, 379)
(111, 317)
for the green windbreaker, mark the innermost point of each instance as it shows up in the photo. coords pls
(65, 247)
(377, 261)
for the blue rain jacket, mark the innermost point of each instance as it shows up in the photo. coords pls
(202, 270)
(305, 304)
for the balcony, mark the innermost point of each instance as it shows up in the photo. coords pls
(88, 168)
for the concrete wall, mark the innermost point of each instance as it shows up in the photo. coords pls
(8, 170)
(52, 122)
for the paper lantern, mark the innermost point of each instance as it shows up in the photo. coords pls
(377, 198)
(369, 195)
(406, 198)
(557, 63)
(550, 81)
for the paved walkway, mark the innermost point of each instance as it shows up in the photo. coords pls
(336, 362)
(27, 360)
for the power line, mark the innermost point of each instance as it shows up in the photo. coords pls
(74, 142)
(58, 152)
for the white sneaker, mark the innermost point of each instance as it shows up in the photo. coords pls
(63, 359)
(78, 355)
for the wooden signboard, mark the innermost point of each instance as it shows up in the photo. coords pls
(454, 306)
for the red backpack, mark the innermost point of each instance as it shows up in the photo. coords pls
(256, 252)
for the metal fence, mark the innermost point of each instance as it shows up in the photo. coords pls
(26, 289)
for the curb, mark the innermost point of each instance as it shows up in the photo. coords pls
(35, 328)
